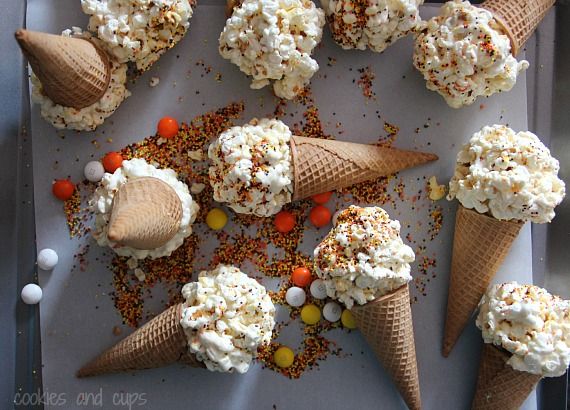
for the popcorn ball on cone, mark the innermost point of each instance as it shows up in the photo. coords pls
(272, 41)
(518, 18)
(374, 24)
(464, 53)
(74, 72)
(502, 179)
(527, 337)
(224, 338)
(261, 166)
(142, 211)
(374, 286)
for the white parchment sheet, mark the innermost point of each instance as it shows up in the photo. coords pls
(77, 314)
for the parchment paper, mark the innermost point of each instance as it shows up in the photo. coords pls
(77, 314)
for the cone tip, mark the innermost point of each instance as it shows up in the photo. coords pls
(447, 348)
(431, 157)
(114, 233)
(20, 34)
(83, 372)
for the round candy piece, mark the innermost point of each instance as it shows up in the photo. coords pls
(63, 189)
(320, 216)
(301, 277)
(284, 221)
(31, 294)
(284, 357)
(94, 171)
(332, 311)
(321, 199)
(47, 259)
(295, 296)
(347, 319)
(216, 219)
(167, 127)
(112, 161)
(318, 289)
(310, 314)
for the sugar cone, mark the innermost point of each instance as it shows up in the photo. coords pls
(386, 324)
(518, 18)
(230, 4)
(73, 71)
(158, 343)
(146, 214)
(499, 386)
(480, 244)
(323, 165)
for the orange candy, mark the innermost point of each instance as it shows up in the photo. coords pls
(167, 127)
(284, 221)
(112, 161)
(321, 199)
(63, 189)
(301, 277)
(320, 216)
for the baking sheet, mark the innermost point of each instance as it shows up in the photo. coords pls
(77, 314)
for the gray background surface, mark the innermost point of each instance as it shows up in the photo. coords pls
(11, 198)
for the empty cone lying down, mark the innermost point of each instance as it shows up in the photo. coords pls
(73, 71)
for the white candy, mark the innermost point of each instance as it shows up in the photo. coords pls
(31, 294)
(318, 289)
(47, 259)
(295, 296)
(332, 311)
(94, 171)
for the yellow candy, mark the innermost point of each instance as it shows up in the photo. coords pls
(216, 219)
(283, 357)
(347, 319)
(310, 314)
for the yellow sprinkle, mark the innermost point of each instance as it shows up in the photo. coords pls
(310, 314)
(284, 357)
(216, 219)
(347, 319)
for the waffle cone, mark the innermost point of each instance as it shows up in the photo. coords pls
(146, 214)
(386, 324)
(73, 71)
(518, 18)
(499, 386)
(158, 343)
(480, 244)
(323, 165)
(230, 4)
